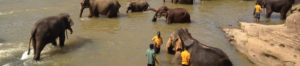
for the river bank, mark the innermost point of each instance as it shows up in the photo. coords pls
(268, 45)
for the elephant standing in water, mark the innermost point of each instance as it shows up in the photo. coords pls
(182, 1)
(137, 6)
(176, 15)
(47, 30)
(109, 8)
(282, 6)
(201, 55)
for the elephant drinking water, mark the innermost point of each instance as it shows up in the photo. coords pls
(176, 15)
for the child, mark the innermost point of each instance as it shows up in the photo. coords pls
(257, 12)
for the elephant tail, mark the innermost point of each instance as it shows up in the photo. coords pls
(31, 39)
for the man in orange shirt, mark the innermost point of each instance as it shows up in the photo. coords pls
(257, 11)
(157, 40)
(185, 57)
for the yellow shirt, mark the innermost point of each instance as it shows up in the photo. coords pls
(157, 41)
(185, 57)
(257, 8)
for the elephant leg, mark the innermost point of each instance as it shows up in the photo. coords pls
(54, 43)
(91, 12)
(39, 47)
(170, 19)
(61, 40)
(283, 12)
(176, 1)
(96, 12)
(269, 12)
(34, 45)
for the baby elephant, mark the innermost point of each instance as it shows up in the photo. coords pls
(47, 30)
(137, 6)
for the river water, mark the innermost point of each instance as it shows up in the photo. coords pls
(118, 41)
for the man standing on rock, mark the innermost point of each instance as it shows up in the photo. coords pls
(257, 11)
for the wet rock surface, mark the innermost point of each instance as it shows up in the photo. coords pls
(268, 45)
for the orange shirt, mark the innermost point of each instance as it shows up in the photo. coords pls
(257, 8)
(185, 57)
(157, 41)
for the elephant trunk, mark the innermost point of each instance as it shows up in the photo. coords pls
(71, 30)
(81, 10)
(128, 9)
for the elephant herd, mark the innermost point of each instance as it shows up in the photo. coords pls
(48, 29)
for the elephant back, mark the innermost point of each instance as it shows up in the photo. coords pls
(202, 55)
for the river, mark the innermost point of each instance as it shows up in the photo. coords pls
(120, 41)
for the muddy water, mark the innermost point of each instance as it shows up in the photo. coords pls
(118, 41)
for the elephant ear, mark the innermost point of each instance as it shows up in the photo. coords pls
(187, 38)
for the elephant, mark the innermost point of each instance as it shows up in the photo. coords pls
(176, 15)
(137, 6)
(201, 55)
(182, 1)
(109, 8)
(46, 31)
(281, 6)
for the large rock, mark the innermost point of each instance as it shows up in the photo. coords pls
(268, 45)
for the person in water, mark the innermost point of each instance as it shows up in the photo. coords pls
(185, 57)
(157, 40)
(151, 56)
(257, 11)
(155, 15)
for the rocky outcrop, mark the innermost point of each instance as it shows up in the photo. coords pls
(268, 45)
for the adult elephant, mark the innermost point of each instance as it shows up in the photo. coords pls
(47, 30)
(137, 6)
(109, 8)
(182, 1)
(201, 55)
(176, 15)
(281, 6)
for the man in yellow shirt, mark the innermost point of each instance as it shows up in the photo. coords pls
(157, 40)
(257, 12)
(185, 58)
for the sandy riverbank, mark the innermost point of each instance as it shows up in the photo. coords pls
(268, 45)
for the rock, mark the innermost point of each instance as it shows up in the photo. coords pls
(295, 9)
(268, 45)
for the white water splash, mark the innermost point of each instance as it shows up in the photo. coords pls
(7, 13)
(26, 56)
(84, 19)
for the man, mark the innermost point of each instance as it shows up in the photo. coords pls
(157, 40)
(185, 57)
(151, 56)
(257, 11)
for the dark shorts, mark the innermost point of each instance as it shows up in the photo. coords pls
(157, 50)
(151, 65)
(257, 15)
(184, 65)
